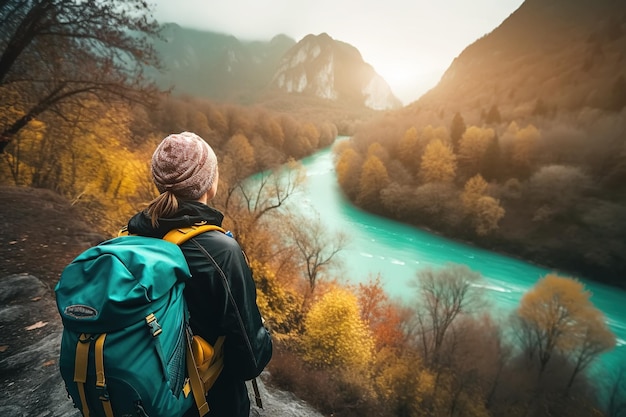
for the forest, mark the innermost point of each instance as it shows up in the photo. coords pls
(348, 350)
(543, 187)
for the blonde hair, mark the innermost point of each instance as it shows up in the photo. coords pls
(165, 205)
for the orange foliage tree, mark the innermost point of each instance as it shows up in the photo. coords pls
(556, 315)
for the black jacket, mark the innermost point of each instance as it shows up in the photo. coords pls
(219, 305)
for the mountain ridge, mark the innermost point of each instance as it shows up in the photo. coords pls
(564, 53)
(221, 67)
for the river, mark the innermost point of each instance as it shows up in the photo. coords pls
(397, 251)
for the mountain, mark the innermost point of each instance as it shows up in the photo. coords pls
(221, 67)
(549, 55)
(215, 65)
(322, 67)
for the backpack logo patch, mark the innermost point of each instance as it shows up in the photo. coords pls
(79, 311)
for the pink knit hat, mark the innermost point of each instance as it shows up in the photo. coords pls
(185, 165)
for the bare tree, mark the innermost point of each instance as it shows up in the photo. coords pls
(252, 198)
(443, 296)
(247, 203)
(315, 245)
(59, 52)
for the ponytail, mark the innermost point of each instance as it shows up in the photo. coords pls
(165, 205)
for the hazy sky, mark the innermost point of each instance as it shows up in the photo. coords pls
(410, 43)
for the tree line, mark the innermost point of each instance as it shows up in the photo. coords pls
(548, 189)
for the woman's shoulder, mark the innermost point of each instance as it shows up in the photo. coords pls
(218, 238)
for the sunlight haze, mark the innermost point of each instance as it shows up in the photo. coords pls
(409, 43)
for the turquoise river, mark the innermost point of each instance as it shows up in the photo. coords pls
(397, 251)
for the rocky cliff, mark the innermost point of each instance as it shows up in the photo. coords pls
(322, 67)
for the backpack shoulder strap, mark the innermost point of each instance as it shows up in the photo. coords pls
(183, 234)
(180, 236)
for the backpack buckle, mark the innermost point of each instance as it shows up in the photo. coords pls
(155, 327)
(104, 393)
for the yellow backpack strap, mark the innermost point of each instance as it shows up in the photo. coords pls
(100, 378)
(80, 368)
(197, 387)
(180, 236)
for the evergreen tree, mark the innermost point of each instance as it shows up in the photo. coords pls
(457, 128)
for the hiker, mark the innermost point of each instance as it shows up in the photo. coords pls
(184, 170)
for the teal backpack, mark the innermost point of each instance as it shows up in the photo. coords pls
(126, 348)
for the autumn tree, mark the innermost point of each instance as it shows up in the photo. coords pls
(473, 148)
(240, 155)
(444, 296)
(315, 246)
(54, 54)
(348, 167)
(246, 201)
(304, 142)
(438, 202)
(335, 335)
(430, 134)
(374, 178)
(557, 316)
(438, 163)
(520, 147)
(409, 149)
(279, 305)
(403, 383)
(384, 317)
(483, 210)
(270, 128)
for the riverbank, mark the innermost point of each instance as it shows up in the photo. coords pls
(568, 249)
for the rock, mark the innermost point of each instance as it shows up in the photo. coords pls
(20, 286)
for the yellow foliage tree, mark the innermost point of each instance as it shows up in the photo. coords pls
(241, 153)
(484, 211)
(473, 147)
(402, 382)
(335, 335)
(438, 163)
(374, 178)
(349, 171)
(408, 149)
(557, 315)
(278, 305)
(430, 134)
(378, 151)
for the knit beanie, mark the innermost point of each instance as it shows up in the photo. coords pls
(185, 165)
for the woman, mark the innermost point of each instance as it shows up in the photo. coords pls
(184, 170)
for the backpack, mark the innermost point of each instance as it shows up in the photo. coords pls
(126, 348)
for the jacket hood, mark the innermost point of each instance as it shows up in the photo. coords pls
(188, 214)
